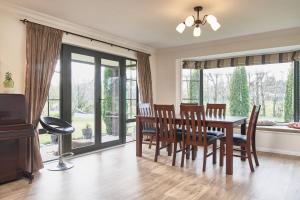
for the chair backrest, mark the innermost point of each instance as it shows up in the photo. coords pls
(193, 125)
(12, 109)
(165, 123)
(145, 110)
(215, 110)
(252, 123)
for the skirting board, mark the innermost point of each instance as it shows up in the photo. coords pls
(278, 151)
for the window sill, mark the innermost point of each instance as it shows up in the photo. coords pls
(281, 129)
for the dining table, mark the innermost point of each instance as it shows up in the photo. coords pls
(227, 123)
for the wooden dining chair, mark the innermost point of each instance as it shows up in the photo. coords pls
(148, 128)
(215, 110)
(166, 132)
(194, 131)
(245, 142)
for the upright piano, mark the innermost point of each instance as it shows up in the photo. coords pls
(16, 139)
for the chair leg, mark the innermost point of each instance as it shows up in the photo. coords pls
(222, 152)
(204, 159)
(215, 152)
(150, 142)
(188, 151)
(174, 154)
(156, 149)
(183, 155)
(255, 154)
(248, 150)
(194, 152)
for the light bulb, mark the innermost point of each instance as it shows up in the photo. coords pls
(197, 31)
(189, 21)
(180, 28)
(215, 26)
(211, 19)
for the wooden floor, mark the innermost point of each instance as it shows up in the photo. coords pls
(118, 174)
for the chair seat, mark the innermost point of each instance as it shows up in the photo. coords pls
(209, 138)
(150, 131)
(217, 134)
(237, 138)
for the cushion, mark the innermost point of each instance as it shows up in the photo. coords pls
(237, 138)
(149, 131)
(217, 134)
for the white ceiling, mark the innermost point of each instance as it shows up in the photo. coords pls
(153, 22)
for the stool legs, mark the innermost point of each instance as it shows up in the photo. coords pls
(61, 165)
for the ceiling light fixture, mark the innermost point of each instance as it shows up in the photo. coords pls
(191, 21)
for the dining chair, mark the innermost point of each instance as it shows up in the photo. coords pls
(166, 132)
(194, 131)
(246, 142)
(215, 110)
(193, 149)
(148, 128)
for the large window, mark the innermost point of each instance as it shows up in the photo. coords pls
(269, 85)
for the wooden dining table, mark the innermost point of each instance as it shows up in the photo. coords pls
(227, 123)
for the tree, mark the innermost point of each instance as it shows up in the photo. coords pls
(288, 99)
(239, 94)
(107, 101)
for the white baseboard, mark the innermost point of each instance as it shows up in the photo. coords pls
(278, 151)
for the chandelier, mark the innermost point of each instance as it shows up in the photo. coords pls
(191, 21)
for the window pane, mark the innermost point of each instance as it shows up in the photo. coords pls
(131, 89)
(55, 86)
(269, 85)
(130, 109)
(130, 131)
(190, 87)
(83, 58)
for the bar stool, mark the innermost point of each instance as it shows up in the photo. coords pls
(59, 128)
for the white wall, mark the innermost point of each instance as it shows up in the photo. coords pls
(168, 74)
(13, 38)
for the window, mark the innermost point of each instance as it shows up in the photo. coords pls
(269, 85)
(190, 87)
(131, 99)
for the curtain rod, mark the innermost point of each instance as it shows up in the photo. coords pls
(89, 38)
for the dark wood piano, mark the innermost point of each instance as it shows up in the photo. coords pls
(16, 138)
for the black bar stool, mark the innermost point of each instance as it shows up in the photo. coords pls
(59, 128)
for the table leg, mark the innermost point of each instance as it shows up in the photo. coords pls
(243, 132)
(139, 137)
(229, 149)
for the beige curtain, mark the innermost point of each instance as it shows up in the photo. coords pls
(42, 51)
(144, 78)
(243, 60)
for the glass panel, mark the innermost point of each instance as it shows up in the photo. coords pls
(83, 108)
(130, 131)
(82, 58)
(269, 85)
(130, 89)
(110, 93)
(190, 85)
(130, 109)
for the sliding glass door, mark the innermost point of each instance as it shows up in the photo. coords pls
(94, 98)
